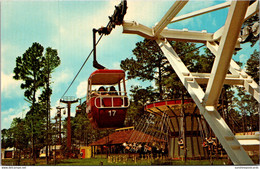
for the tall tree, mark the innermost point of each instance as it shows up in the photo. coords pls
(252, 66)
(245, 103)
(29, 68)
(6, 138)
(51, 61)
(148, 65)
(20, 135)
(151, 64)
(139, 97)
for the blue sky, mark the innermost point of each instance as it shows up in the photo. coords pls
(67, 26)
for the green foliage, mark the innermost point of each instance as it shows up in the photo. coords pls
(148, 65)
(51, 60)
(139, 97)
(252, 66)
(151, 64)
(148, 60)
(250, 22)
(248, 108)
(81, 129)
(7, 139)
(244, 103)
(34, 68)
(205, 62)
(29, 68)
(21, 137)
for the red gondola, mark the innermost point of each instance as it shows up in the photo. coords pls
(106, 109)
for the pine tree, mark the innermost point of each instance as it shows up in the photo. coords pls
(29, 68)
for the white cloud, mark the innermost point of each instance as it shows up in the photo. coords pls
(8, 56)
(116, 65)
(77, 30)
(243, 59)
(145, 11)
(53, 112)
(60, 77)
(12, 113)
(9, 86)
(82, 89)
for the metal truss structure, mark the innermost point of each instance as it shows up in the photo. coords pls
(222, 44)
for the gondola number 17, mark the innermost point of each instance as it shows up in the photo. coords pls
(112, 112)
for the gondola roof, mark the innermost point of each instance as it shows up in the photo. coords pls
(106, 76)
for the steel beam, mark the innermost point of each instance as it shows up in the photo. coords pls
(182, 35)
(202, 11)
(170, 14)
(203, 78)
(225, 51)
(170, 34)
(228, 34)
(250, 85)
(237, 72)
(234, 150)
(137, 28)
(185, 35)
(251, 10)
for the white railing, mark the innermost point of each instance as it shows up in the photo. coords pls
(112, 97)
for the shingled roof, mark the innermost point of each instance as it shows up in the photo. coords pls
(119, 137)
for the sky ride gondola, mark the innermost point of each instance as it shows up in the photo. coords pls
(106, 109)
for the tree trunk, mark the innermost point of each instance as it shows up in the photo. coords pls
(33, 136)
(48, 114)
(47, 136)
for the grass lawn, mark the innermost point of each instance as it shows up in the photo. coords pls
(130, 161)
(102, 161)
(116, 161)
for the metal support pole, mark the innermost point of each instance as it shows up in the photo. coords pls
(68, 128)
(59, 115)
(95, 63)
(68, 101)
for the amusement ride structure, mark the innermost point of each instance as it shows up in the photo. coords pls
(222, 44)
(203, 105)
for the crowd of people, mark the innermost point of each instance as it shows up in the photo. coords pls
(153, 149)
(207, 142)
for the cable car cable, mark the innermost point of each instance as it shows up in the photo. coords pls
(93, 51)
(81, 67)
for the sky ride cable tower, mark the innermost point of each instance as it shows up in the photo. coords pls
(68, 100)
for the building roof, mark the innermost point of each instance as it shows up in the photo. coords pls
(119, 137)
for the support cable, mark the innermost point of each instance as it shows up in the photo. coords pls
(116, 19)
(81, 67)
